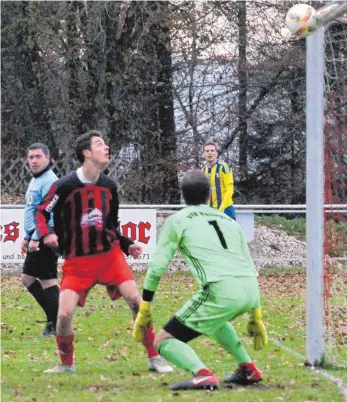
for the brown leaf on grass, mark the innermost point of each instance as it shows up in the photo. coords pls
(87, 313)
(107, 343)
(9, 352)
(112, 357)
(150, 376)
(16, 392)
(123, 353)
(35, 359)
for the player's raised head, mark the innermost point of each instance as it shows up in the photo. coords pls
(195, 187)
(91, 147)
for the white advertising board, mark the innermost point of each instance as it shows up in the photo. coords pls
(138, 224)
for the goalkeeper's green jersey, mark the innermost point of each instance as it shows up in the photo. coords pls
(212, 244)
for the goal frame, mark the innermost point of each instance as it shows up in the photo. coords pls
(315, 64)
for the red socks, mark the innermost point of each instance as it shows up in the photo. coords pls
(147, 342)
(248, 366)
(65, 348)
(204, 373)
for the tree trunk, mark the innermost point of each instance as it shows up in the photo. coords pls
(242, 94)
(171, 193)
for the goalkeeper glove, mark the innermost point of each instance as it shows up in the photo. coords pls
(143, 320)
(256, 329)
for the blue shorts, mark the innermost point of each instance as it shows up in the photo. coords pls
(230, 211)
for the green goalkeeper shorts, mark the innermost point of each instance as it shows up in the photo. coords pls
(219, 302)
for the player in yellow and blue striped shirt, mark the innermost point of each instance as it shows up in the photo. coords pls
(221, 179)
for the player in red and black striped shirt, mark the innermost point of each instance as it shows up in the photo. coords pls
(86, 232)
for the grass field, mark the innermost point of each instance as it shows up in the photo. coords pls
(112, 367)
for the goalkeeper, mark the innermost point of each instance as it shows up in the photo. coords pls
(215, 249)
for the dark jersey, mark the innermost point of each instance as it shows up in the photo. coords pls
(85, 216)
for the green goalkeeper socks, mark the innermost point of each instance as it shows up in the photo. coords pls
(181, 354)
(184, 357)
(228, 339)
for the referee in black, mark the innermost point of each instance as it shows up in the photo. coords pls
(39, 274)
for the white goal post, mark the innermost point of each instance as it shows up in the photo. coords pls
(315, 327)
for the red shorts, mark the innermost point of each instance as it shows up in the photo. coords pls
(80, 274)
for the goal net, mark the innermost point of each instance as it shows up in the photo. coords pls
(335, 193)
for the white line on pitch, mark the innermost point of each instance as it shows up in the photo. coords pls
(336, 380)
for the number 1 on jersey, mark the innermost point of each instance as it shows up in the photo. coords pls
(219, 233)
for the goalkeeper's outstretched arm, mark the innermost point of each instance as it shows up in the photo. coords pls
(165, 250)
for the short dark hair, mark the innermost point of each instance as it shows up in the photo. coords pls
(39, 145)
(211, 142)
(195, 187)
(84, 142)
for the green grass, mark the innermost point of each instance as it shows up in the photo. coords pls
(112, 367)
(295, 226)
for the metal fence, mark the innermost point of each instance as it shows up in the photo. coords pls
(256, 209)
(270, 247)
(15, 173)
